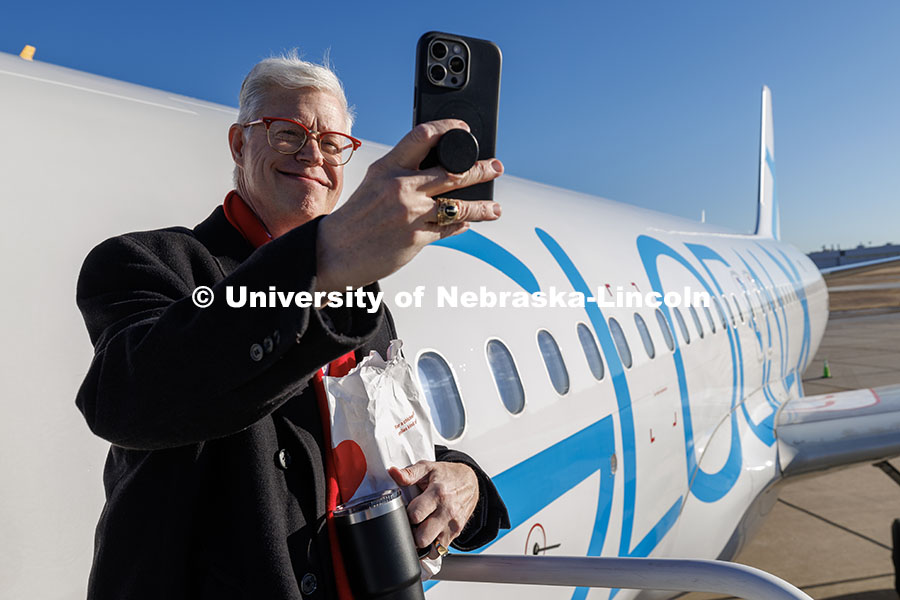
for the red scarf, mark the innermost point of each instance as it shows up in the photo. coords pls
(251, 227)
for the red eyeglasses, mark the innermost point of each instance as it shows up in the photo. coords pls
(288, 137)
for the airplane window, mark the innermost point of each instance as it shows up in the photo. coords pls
(681, 325)
(553, 360)
(664, 327)
(720, 311)
(621, 342)
(730, 312)
(697, 322)
(645, 335)
(709, 317)
(737, 306)
(506, 376)
(591, 352)
(442, 395)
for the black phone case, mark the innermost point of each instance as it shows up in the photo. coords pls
(476, 102)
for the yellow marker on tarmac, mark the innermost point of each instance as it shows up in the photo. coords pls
(27, 52)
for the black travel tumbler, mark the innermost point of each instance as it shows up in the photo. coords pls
(378, 548)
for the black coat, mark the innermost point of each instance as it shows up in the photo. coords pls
(215, 480)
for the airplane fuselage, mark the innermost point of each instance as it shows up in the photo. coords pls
(662, 455)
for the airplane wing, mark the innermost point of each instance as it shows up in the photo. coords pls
(822, 432)
(858, 265)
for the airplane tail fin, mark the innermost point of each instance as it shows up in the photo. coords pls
(768, 221)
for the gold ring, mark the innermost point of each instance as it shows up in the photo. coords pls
(441, 550)
(447, 211)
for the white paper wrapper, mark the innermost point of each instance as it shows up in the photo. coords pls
(379, 419)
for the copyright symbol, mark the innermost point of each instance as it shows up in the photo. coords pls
(202, 297)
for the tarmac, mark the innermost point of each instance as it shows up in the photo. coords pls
(830, 534)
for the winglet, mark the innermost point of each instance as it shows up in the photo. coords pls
(768, 221)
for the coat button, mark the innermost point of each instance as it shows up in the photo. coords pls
(308, 584)
(256, 352)
(284, 459)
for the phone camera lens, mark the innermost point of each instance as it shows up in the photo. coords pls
(457, 64)
(438, 72)
(439, 50)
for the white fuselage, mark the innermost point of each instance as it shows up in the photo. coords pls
(690, 431)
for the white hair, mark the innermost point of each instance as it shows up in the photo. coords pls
(287, 71)
(290, 72)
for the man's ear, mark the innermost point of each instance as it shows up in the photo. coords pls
(236, 143)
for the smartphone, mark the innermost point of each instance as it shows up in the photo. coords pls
(459, 77)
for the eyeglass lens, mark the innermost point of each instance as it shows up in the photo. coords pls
(288, 138)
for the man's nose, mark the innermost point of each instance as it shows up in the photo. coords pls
(311, 152)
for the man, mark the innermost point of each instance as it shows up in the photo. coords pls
(217, 481)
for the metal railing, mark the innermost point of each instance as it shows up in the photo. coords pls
(677, 575)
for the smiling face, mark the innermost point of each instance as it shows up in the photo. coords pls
(286, 190)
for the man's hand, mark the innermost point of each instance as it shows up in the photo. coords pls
(449, 496)
(392, 214)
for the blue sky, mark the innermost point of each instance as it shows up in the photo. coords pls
(662, 96)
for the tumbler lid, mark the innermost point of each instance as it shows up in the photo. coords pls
(369, 507)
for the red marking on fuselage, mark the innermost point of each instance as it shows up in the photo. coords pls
(528, 537)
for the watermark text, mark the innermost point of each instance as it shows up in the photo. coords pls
(450, 297)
